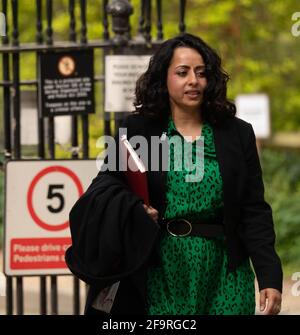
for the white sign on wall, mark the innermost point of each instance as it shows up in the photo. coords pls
(39, 196)
(29, 122)
(254, 108)
(121, 74)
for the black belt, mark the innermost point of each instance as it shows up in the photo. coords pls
(182, 228)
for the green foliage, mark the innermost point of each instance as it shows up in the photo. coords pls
(253, 38)
(258, 50)
(282, 183)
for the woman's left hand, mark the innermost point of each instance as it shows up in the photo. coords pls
(152, 212)
(273, 305)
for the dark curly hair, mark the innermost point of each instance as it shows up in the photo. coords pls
(151, 93)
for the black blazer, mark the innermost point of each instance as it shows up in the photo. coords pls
(248, 218)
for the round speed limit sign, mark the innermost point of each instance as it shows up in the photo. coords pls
(39, 196)
(49, 197)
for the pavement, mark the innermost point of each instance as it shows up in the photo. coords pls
(31, 287)
(290, 305)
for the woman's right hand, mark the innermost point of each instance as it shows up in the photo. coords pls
(152, 212)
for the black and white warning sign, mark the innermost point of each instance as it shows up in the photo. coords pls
(66, 82)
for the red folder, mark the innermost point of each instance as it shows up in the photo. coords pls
(135, 170)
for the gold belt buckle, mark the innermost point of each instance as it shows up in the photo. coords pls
(179, 235)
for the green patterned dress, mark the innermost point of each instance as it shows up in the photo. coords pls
(192, 277)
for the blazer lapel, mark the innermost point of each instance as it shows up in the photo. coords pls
(228, 158)
(156, 179)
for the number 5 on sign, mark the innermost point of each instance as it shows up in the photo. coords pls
(59, 196)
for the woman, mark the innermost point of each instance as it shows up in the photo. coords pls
(192, 257)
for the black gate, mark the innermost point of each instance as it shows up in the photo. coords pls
(114, 16)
